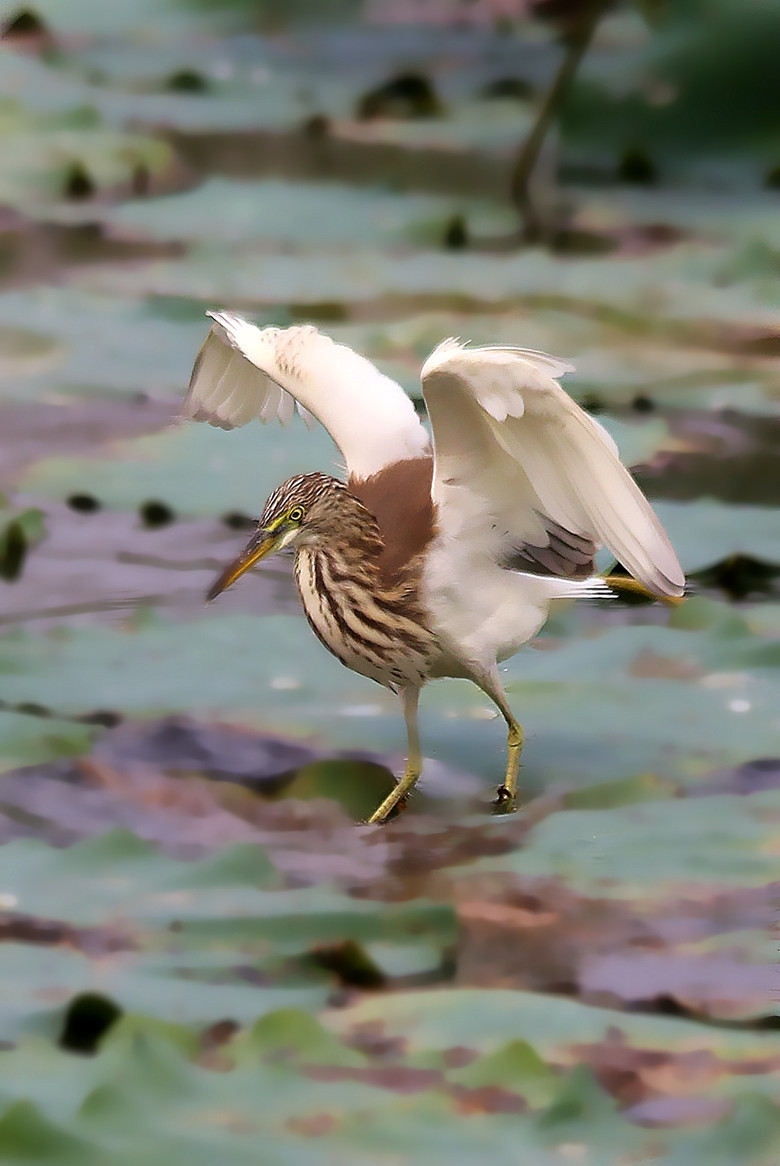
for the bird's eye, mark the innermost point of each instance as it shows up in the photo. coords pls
(296, 514)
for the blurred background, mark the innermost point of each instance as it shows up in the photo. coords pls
(184, 899)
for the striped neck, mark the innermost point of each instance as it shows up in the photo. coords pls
(375, 630)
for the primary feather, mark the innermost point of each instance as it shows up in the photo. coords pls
(244, 372)
(510, 444)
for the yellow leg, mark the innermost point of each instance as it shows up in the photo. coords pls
(405, 784)
(506, 794)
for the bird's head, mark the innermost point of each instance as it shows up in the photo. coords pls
(298, 512)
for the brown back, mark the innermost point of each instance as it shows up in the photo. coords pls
(399, 497)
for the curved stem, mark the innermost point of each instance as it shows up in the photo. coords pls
(528, 155)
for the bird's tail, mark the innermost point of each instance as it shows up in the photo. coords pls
(606, 587)
(594, 587)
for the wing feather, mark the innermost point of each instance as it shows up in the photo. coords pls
(516, 454)
(286, 409)
(231, 391)
(244, 372)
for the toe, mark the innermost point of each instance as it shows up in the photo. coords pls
(505, 801)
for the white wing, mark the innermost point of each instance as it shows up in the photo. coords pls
(525, 474)
(243, 372)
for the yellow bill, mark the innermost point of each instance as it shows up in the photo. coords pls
(261, 545)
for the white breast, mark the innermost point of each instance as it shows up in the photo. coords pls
(490, 619)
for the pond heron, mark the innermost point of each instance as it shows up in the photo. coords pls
(439, 555)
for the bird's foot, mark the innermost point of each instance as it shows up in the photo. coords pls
(506, 801)
(396, 801)
(389, 814)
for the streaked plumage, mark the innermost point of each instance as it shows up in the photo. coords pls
(436, 558)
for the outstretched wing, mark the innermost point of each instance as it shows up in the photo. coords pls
(525, 474)
(243, 372)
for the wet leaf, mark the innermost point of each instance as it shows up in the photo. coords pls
(708, 532)
(288, 214)
(68, 346)
(52, 158)
(729, 988)
(514, 1066)
(479, 1019)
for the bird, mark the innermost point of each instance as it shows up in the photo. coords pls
(437, 554)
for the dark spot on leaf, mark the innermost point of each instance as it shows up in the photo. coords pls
(321, 310)
(350, 963)
(154, 513)
(30, 709)
(316, 127)
(18, 928)
(84, 503)
(643, 404)
(140, 180)
(456, 235)
(13, 551)
(105, 717)
(218, 1034)
(24, 23)
(568, 15)
(87, 1020)
(637, 168)
(409, 95)
(592, 404)
(740, 576)
(508, 87)
(187, 81)
(237, 521)
(664, 1005)
(79, 184)
(568, 241)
